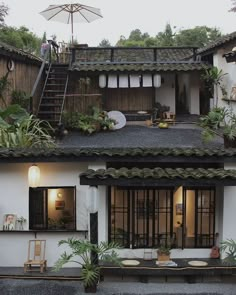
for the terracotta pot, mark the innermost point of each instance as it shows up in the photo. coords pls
(90, 289)
(163, 257)
(229, 143)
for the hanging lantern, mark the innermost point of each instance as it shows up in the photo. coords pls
(92, 199)
(34, 176)
(157, 80)
(102, 81)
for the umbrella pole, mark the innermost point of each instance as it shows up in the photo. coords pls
(72, 29)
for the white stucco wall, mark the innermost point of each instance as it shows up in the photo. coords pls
(14, 198)
(165, 94)
(229, 209)
(229, 80)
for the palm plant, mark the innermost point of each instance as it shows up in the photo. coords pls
(219, 121)
(82, 249)
(229, 247)
(214, 78)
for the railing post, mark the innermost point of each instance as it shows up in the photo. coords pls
(72, 55)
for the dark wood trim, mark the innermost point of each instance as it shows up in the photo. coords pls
(157, 182)
(131, 159)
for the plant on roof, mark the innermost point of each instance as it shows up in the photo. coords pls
(87, 255)
(20, 129)
(219, 121)
(228, 248)
(97, 120)
(213, 78)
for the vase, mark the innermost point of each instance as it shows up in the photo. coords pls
(229, 143)
(163, 257)
(21, 227)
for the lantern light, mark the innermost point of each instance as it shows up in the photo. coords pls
(92, 199)
(34, 176)
(157, 80)
(102, 81)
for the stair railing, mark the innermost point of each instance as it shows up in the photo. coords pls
(44, 86)
(47, 59)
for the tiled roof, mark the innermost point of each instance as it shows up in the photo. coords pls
(11, 50)
(108, 153)
(159, 173)
(219, 42)
(139, 67)
(132, 54)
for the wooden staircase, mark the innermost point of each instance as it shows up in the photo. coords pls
(53, 95)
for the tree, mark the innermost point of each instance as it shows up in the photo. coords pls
(166, 38)
(199, 36)
(3, 13)
(21, 38)
(136, 39)
(233, 9)
(104, 43)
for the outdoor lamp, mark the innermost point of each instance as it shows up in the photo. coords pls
(102, 81)
(157, 80)
(34, 176)
(92, 200)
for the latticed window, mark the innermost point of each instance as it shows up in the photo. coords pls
(147, 217)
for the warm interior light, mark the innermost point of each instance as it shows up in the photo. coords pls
(34, 176)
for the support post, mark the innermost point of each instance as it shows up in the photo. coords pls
(94, 235)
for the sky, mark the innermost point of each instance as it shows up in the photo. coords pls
(120, 17)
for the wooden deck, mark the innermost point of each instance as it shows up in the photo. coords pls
(191, 274)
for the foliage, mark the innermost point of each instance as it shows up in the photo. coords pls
(229, 247)
(213, 78)
(21, 98)
(162, 249)
(3, 12)
(4, 86)
(104, 43)
(233, 9)
(219, 121)
(198, 36)
(21, 38)
(19, 129)
(96, 121)
(82, 249)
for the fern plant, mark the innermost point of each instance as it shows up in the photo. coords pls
(80, 253)
(229, 248)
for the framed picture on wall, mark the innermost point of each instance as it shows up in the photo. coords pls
(59, 205)
(9, 221)
(179, 209)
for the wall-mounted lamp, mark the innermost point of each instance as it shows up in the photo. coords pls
(34, 176)
(92, 199)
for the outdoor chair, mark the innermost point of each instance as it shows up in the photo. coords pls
(36, 256)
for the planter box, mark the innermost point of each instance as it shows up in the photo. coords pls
(229, 143)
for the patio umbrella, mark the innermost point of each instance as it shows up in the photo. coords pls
(71, 13)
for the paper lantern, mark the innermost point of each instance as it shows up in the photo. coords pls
(34, 176)
(157, 80)
(92, 200)
(102, 81)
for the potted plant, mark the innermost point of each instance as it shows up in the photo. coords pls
(213, 78)
(21, 220)
(163, 253)
(88, 255)
(221, 122)
(228, 247)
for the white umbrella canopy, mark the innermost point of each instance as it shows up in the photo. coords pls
(71, 13)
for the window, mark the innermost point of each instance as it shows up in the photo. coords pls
(147, 218)
(141, 217)
(52, 208)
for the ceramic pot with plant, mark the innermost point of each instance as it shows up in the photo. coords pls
(219, 122)
(163, 253)
(87, 256)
